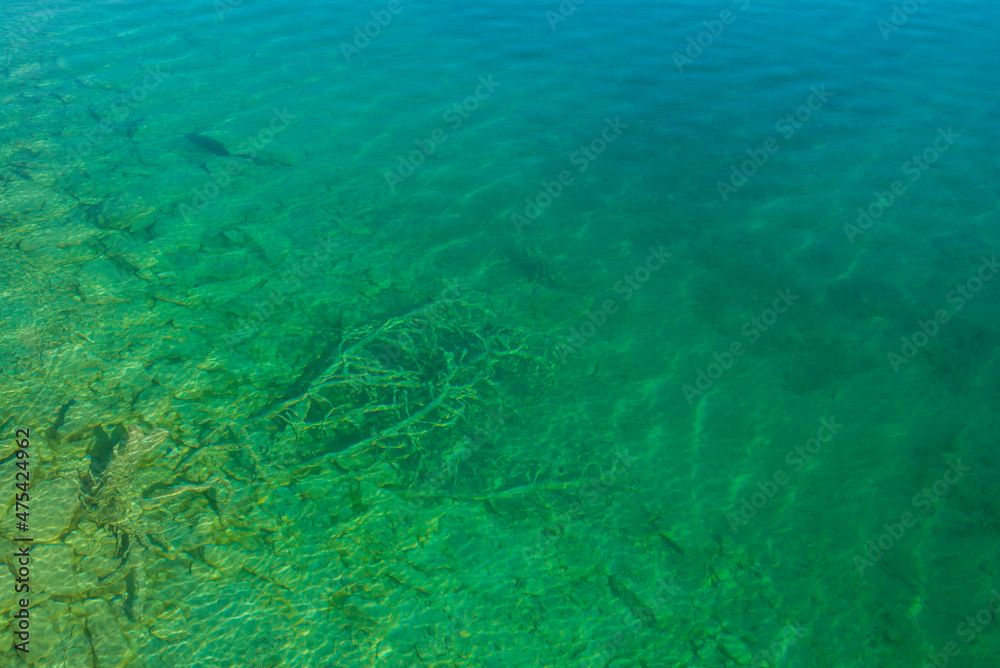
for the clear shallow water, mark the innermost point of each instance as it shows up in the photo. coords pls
(645, 426)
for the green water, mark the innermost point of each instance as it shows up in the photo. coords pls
(505, 334)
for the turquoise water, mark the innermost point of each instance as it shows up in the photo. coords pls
(506, 334)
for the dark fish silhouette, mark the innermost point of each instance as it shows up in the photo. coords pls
(216, 147)
(642, 611)
(213, 146)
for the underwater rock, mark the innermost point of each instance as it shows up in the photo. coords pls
(103, 282)
(381, 277)
(78, 654)
(360, 608)
(72, 233)
(349, 266)
(261, 565)
(172, 625)
(8, 597)
(44, 639)
(28, 196)
(125, 211)
(59, 613)
(735, 649)
(222, 292)
(49, 257)
(286, 575)
(79, 541)
(177, 235)
(314, 489)
(72, 360)
(55, 574)
(409, 576)
(224, 267)
(154, 403)
(100, 565)
(56, 502)
(235, 236)
(227, 559)
(111, 649)
(116, 497)
(133, 251)
(80, 417)
(274, 244)
(186, 383)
